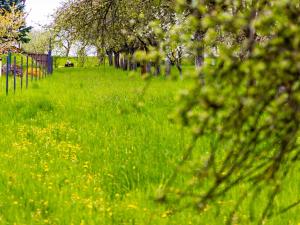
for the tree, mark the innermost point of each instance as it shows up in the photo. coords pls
(10, 24)
(172, 44)
(118, 28)
(248, 105)
(39, 42)
(63, 33)
(64, 40)
(18, 6)
(81, 51)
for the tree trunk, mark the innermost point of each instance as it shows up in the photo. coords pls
(199, 57)
(168, 67)
(130, 64)
(134, 65)
(179, 69)
(100, 56)
(131, 61)
(156, 65)
(67, 52)
(121, 61)
(157, 69)
(148, 67)
(110, 57)
(143, 68)
(117, 59)
(126, 63)
(178, 65)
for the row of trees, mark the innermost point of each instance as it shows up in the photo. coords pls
(239, 93)
(119, 29)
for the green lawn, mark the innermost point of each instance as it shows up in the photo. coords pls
(76, 148)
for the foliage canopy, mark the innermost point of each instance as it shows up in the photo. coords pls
(247, 99)
(16, 8)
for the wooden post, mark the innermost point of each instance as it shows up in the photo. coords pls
(39, 67)
(7, 72)
(49, 58)
(44, 65)
(26, 71)
(15, 73)
(44, 62)
(1, 68)
(51, 65)
(21, 72)
(46, 68)
(36, 70)
(31, 69)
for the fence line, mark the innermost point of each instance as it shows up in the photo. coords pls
(40, 67)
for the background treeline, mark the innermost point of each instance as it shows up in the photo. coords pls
(119, 29)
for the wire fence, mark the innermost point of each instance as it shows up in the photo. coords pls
(18, 70)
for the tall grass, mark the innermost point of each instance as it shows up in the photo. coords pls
(89, 61)
(75, 149)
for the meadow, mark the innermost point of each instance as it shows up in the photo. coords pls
(84, 147)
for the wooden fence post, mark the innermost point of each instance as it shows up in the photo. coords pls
(26, 71)
(7, 73)
(36, 71)
(21, 73)
(1, 63)
(45, 66)
(32, 68)
(15, 73)
(49, 58)
(40, 75)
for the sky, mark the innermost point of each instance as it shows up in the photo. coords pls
(39, 11)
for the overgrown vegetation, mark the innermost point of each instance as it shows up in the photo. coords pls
(239, 113)
(77, 150)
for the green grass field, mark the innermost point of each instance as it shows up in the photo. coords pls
(75, 149)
